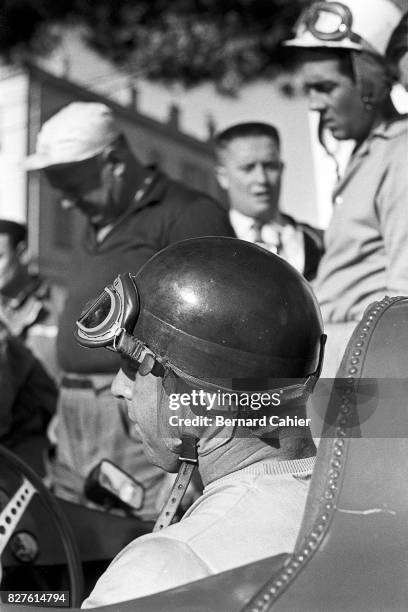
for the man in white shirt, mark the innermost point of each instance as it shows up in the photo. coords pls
(249, 168)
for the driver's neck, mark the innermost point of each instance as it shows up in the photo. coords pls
(239, 453)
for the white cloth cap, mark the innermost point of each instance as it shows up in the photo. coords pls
(373, 20)
(79, 131)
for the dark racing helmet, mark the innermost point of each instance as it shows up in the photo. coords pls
(217, 312)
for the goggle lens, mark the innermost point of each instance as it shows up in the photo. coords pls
(114, 311)
(98, 313)
(328, 21)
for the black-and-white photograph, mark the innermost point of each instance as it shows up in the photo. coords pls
(204, 305)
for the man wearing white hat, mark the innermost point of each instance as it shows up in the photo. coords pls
(133, 212)
(342, 50)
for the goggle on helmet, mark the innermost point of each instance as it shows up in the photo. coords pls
(110, 320)
(356, 25)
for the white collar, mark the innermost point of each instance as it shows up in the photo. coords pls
(242, 224)
(291, 236)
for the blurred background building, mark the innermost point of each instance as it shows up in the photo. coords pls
(166, 123)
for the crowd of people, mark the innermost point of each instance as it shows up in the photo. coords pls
(200, 301)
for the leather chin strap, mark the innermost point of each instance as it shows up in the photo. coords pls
(189, 460)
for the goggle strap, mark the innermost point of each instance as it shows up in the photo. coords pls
(147, 364)
(128, 345)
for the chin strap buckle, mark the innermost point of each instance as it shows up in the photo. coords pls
(189, 460)
(188, 451)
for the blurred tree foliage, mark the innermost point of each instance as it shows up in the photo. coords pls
(187, 41)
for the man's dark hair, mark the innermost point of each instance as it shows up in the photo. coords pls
(243, 130)
(343, 55)
(17, 232)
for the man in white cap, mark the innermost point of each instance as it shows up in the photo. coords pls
(133, 212)
(342, 50)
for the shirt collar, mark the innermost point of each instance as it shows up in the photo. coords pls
(387, 129)
(242, 224)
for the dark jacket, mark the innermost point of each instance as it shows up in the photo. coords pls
(313, 244)
(166, 213)
(28, 394)
(314, 249)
